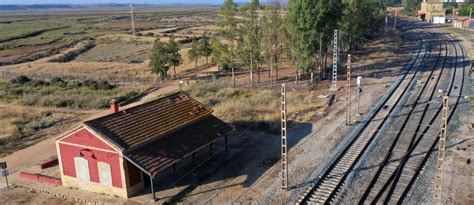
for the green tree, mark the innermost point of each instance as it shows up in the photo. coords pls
(359, 18)
(227, 29)
(329, 16)
(466, 8)
(273, 36)
(219, 54)
(205, 48)
(159, 59)
(193, 54)
(174, 57)
(409, 6)
(249, 40)
(303, 15)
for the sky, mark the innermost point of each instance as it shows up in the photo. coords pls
(109, 1)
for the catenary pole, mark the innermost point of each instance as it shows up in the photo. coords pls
(284, 148)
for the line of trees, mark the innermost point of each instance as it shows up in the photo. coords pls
(254, 35)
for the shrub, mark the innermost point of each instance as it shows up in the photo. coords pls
(74, 84)
(20, 80)
(105, 85)
(36, 83)
(33, 126)
(91, 84)
(58, 82)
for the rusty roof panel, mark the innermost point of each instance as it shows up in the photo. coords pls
(144, 123)
(169, 149)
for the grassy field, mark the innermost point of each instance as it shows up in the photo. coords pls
(18, 127)
(73, 94)
(255, 107)
(27, 37)
(20, 123)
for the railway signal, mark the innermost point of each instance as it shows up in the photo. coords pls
(284, 148)
(359, 89)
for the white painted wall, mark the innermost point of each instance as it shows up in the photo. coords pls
(439, 20)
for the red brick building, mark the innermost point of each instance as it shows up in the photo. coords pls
(116, 153)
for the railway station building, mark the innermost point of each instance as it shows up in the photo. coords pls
(432, 11)
(118, 154)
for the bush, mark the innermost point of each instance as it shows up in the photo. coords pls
(105, 85)
(33, 126)
(91, 84)
(36, 83)
(58, 82)
(74, 84)
(20, 80)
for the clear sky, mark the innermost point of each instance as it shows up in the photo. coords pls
(109, 1)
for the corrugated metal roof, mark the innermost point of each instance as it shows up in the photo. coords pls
(150, 121)
(169, 149)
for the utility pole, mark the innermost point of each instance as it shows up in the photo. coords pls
(284, 150)
(348, 115)
(334, 63)
(132, 19)
(441, 152)
(470, 13)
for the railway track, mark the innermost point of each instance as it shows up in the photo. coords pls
(408, 153)
(334, 176)
(404, 139)
(404, 179)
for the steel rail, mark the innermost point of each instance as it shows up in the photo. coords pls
(412, 146)
(433, 146)
(395, 142)
(307, 196)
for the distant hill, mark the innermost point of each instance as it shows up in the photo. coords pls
(26, 7)
(19, 7)
(35, 6)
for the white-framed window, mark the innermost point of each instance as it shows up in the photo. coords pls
(105, 174)
(82, 169)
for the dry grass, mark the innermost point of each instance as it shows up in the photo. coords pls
(101, 70)
(23, 127)
(259, 107)
(15, 123)
(53, 95)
